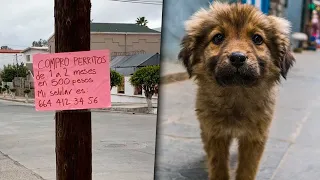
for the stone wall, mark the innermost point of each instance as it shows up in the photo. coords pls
(20, 84)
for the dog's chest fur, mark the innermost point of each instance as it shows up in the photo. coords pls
(235, 112)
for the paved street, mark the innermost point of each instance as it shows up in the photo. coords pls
(123, 144)
(293, 149)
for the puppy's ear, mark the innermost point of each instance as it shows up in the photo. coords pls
(281, 29)
(186, 53)
(286, 63)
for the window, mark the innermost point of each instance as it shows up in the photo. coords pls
(28, 58)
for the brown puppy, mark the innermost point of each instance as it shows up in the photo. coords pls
(237, 55)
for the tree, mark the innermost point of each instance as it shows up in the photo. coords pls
(115, 78)
(142, 21)
(40, 43)
(148, 78)
(5, 47)
(22, 70)
(9, 72)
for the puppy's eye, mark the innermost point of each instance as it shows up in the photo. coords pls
(218, 39)
(257, 39)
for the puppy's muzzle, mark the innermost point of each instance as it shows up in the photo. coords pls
(237, 59)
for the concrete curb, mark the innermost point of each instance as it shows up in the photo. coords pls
(172, 78)
(17, 100)
(137, 110)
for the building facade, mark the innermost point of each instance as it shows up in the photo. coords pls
(10, 56)
(121, 39)
(28, 55)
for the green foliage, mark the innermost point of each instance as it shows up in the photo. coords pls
(6, 87)
(148, 78)
(142, 21)
(116, 78)
(9, 72)
(5, 47)
(13, 90)
(3, 89)
(27, 91)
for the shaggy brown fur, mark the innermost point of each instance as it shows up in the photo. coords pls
(235, 102)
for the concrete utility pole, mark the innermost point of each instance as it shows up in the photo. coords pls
(17, 58)
(73, 127)
(17, 68)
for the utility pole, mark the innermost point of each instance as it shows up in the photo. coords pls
(73, 127)
(17, 58)
(17, 65)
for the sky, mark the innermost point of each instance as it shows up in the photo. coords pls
(23, 22)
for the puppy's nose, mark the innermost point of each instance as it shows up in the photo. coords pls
(237, 59)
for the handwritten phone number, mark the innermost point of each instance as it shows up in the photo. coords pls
(67, 102)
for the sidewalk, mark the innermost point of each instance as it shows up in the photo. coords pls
(12, 170)
(172, 72)
(116, 107)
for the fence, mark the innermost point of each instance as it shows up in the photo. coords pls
(20, 84)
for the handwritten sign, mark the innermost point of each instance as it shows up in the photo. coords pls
(69, 81)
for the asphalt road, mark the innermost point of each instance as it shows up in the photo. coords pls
(293, 149)
(123, 144)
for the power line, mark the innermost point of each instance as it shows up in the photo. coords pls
(8, 55)
(139, 2)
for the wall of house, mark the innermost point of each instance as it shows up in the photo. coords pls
(122, 98)
(31, 52)
(177, 12)
(120, 43)
(128, 95)
(294, 14)
(10, 58)
(128, 88)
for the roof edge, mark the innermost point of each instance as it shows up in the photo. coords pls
(156, 54)
(134, 33)
(29, 48)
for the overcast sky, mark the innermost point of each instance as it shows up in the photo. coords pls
(23, 22)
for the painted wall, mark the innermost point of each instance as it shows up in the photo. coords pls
(31, 52)
(122, 98)
(128, 88)
(128, 96)
(294, 14)
(121, 42)
(10, 58)
(175, 13)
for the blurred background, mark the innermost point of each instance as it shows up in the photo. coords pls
(303, 15)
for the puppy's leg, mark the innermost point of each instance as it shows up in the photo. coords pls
(250, 152)
(218, 157)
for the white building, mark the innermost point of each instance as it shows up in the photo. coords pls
(10, 56)
(28, 55)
